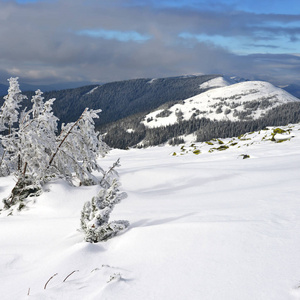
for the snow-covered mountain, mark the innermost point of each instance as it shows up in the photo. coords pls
(223, 101)
(120, 99)
(215, 83)
(221, 81)
(215, 220)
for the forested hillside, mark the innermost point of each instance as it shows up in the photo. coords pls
(131, 109)
(220, 112)
(123, 98)
(118, 134)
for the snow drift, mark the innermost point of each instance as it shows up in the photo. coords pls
(208, 226)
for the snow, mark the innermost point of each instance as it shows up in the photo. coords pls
(209, 226)
(230, 99)
(214, 83)
(152, 80)
(92, 90)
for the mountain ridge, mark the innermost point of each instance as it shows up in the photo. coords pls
(225, 111)
(240, 101)
(131, 109)
(120, 99)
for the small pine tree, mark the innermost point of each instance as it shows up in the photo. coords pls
(95, 213)
(9, 112)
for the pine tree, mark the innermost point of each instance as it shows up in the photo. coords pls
(95, 213)
(9, 116)
(37, 137)
(9, 111)
(77, 149)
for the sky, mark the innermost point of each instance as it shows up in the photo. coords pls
(53, 41)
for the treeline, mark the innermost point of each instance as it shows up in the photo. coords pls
(130, 132)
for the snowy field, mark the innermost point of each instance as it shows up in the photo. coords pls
(212, 226)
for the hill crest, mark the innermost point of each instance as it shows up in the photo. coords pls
(241, 101)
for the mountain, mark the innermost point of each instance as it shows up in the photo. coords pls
(55, 86)
(241, 101)
(46, 87)
(220, 81)
(229, 110)
(143, 112)
(123, 98)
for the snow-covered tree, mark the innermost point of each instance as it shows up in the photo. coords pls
(77, 149)
(9, 112)
(37, 137)
(32, 150)
(95, 213)
(9, 116)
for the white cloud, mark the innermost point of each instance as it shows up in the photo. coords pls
(122, 36)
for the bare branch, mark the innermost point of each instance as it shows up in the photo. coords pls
(70, 275)
(116, 163)
(49, 280)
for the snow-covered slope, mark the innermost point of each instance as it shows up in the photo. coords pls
(92, 90)
(208, 226)
(215, 83)
(241, 101)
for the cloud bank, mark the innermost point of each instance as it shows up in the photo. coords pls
(101, 41)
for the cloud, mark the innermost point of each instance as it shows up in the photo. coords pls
(264, 46)
(122, 36)
(89, 40)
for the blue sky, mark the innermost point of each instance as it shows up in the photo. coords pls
(100, 40)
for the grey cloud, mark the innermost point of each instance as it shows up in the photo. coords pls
(40, 44)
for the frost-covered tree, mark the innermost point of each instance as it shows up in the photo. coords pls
(31, 146)
(36, 137)
(9, 116)
(32, 150)
(95, 213)
(27, 148)
(9, 112)
(77, 149)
